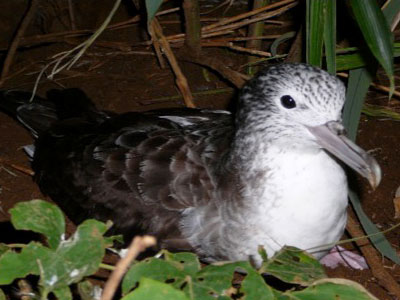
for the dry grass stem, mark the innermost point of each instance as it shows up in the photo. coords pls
(180, 78)
(248, 14)
(14, 44)
(250, 51)
(157, 47)
(138, 245)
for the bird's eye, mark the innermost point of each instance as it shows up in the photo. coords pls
(288, 102)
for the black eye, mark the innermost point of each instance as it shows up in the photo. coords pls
(288, 102)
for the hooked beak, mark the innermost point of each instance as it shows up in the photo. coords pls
(331, 137)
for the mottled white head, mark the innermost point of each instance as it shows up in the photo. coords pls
(298, 105)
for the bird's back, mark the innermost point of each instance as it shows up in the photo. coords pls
(140, 170)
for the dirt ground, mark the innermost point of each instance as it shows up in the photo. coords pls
(121, 81)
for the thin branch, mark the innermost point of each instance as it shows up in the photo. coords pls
(14, 44)
(247, 14)
(247, 50)
(139, 244)
(71, 15)
(181, 81)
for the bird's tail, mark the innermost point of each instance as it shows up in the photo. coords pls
(39, 114)
(36, 116)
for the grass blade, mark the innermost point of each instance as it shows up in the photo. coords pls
(330, 35)
(315, 31)
(377, 34)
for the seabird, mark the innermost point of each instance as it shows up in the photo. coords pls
(205, 180)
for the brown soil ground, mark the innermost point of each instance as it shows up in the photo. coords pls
(120, 81)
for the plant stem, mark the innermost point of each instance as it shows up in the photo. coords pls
(193, 26)
(255, 29)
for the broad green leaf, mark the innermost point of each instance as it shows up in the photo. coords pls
(332, 289)
(293, 266)
(186, 261)
(330, 35)
(315, 31)
(39, 216)
(376, 33)
(214, 280)
(210, 282)
(155, 290)
(63, 293)
(18, 265)
(153, 268)
(76, 257)
(152, 7)
(88, 291)
(253, 286)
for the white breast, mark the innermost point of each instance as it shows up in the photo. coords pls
(303, 204)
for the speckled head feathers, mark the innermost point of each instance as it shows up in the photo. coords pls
(317, 96)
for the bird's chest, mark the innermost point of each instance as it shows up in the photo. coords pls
(302, 200)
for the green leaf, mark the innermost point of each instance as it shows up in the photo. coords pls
(18, 265)
(315, 31)
(153, 268)
(2, 295)
(39, 216)
(75, 258)
(3, 249)
(155, 290)
(357, 88)
(332, 289)
(186, 261)
(294, 266)
(253, 286)
(376, 33)
(63, 293)
(152, 7)
(330, 35)
(214, 280)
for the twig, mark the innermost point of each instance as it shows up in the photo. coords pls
(71, 15)
(371, 255)
(216, 64)
(247, 50)
(22, 169)
(14, 44)
(139, 244)
(157, 48)
(181, 81)
(247, 15)
(255, 19)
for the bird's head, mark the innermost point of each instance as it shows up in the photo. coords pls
(298, 104)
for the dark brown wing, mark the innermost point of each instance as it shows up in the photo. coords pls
(138, 170)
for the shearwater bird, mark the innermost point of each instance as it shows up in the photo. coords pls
(203, 179)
